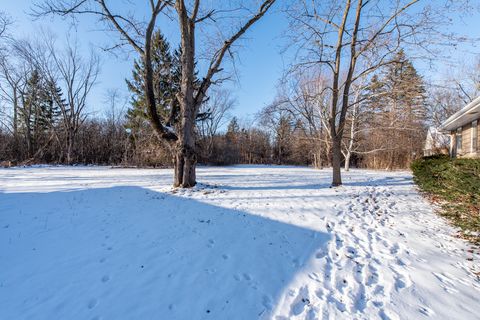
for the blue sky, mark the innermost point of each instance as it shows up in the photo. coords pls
(259, 66)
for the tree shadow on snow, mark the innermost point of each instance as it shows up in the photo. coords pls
(132, 253)
(279, 185)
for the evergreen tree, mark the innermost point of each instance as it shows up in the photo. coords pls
(166, 70)
(397, 110)
(233, 127)
(38, 110)
(405, 88)
(51, 97)
(283, 139)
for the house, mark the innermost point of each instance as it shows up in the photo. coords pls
(436, 142)
(464, 131)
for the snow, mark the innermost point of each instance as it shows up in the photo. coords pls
(250, 242)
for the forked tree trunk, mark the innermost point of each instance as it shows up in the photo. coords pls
(336, 161)
(185, 165)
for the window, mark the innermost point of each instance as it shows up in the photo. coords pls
(458, 141)
(474, 136)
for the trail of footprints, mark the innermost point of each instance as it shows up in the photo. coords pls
(352, 281)
(359, 270)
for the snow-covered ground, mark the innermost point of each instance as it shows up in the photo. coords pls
(251, 242)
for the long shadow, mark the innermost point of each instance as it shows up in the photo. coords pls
(278, 187)
(132, 253)
(397, 181)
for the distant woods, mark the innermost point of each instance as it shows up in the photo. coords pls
(48, 124)
(356, 101)
(45, 120)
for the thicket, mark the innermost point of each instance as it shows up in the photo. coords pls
(455, 185)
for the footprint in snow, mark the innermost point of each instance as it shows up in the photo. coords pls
(388, 315)
(320, 293)
(395, 249)
(314, 276)
(105, 278)
(301, 301)
(402, 279)
(210, 243)
(92, 303)
(426, 311)
(267, 302)
(338, 241)
(296, 262)
(340, 304)
(330, 226)
(447, 284)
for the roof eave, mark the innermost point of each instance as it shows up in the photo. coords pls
(455, 121)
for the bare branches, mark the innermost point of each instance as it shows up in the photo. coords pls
(208, 15)
(5, 22)
(139, 35)
(130, 29)
(115, 21)
(217, 59)
(339, 38)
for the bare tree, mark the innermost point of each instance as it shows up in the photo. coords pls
(70, 77)
(7, 72)
(138, 34)
(116, 106)
(217, 110)
(335, 37)
(12, 81)
(467, 82)
(353, 117)
(5, 22)
(76, 77)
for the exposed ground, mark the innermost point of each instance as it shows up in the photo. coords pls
(253, 242)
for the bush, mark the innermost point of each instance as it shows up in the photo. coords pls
(456, 185)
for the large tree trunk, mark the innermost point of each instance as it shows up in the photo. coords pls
(185, 160)
(184, 167)
(336, 161)
(185, 153)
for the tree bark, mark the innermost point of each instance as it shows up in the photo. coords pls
(185, 161)
(185, 153)
(336, 161)
(347, 160)
(70, 145)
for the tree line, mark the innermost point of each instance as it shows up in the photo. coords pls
(351, 96)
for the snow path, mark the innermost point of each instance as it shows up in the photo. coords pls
(251, 242)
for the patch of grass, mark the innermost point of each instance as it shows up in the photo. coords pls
(455, 185)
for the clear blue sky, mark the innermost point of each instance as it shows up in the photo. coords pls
(259, 67)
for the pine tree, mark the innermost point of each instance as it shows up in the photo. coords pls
(397, 109)
(283, 139)
(166, 82)
(167, 70)
(38, 110)
(233, 130)
(51, 96)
